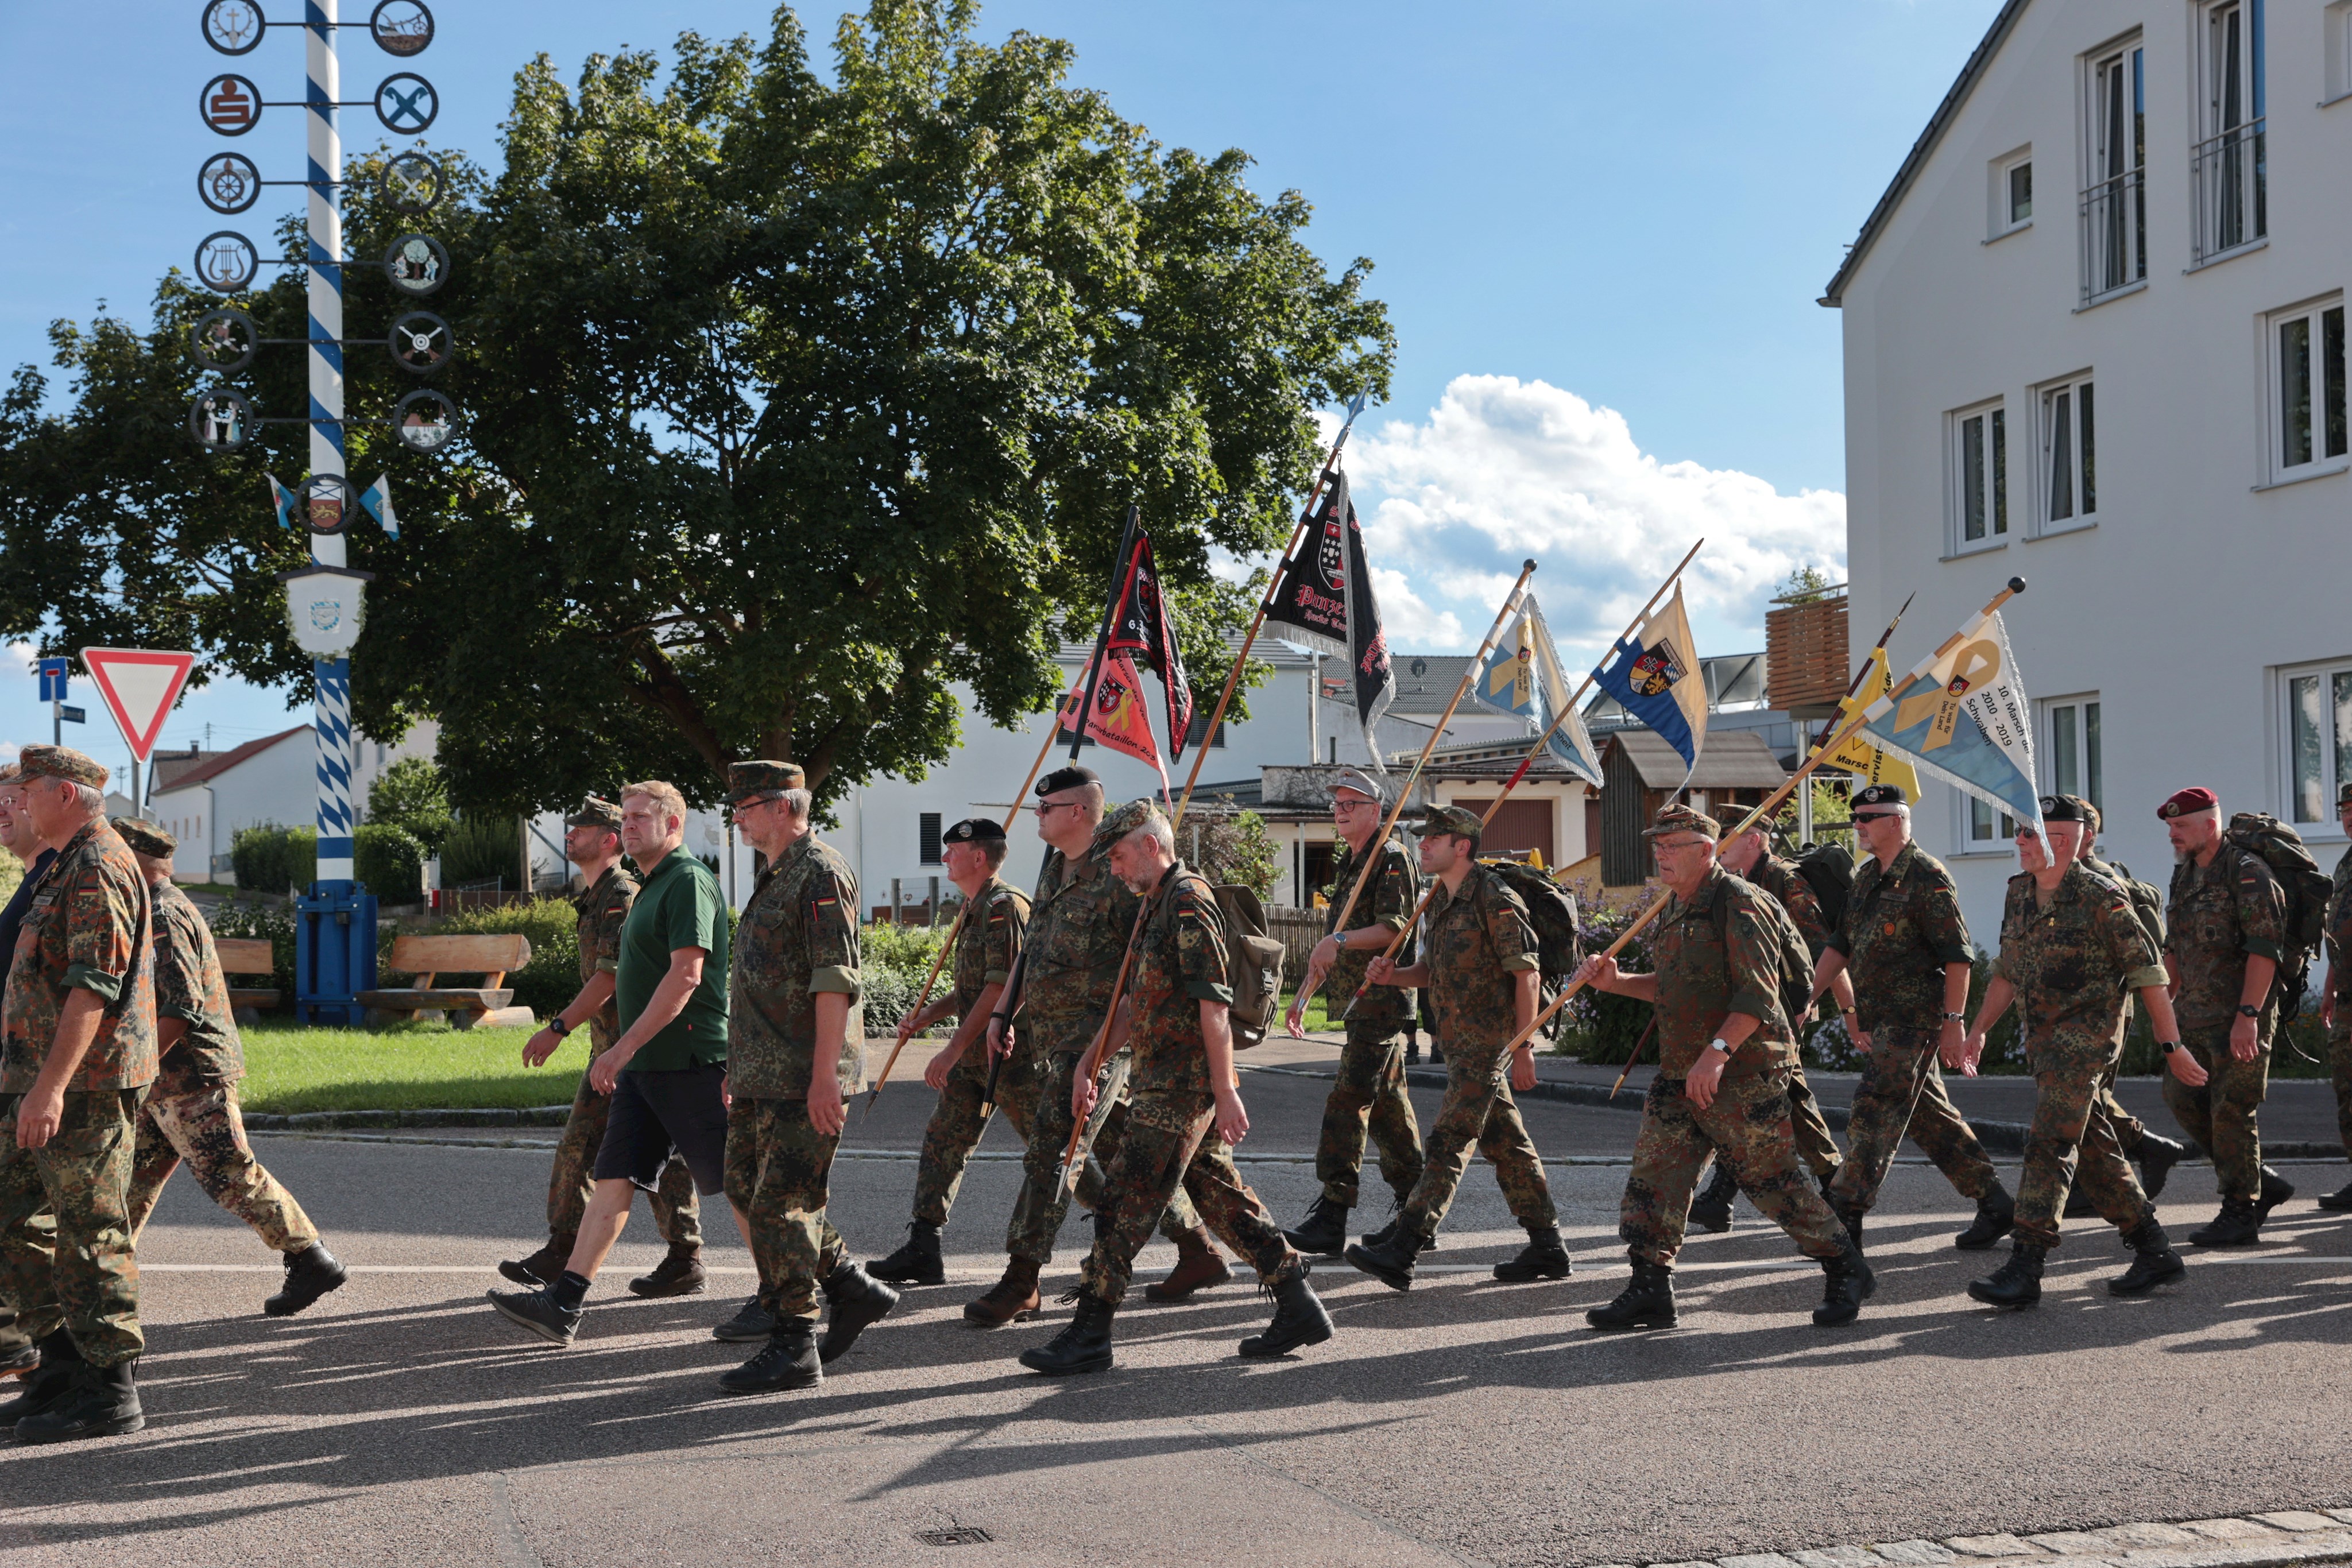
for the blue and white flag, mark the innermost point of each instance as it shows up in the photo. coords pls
(1568, 743)
(1509, 682)
(1654, 675)
(1966, 718)
(284, 499)
(376, 499)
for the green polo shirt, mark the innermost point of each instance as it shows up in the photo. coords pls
(679, 905)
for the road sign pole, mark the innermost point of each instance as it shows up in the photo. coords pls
(57, 724)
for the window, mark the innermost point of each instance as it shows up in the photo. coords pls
(2070, 744)
(1979, 478)
(1982, 834)
(926, 831)
(2070, 487)
(2318, 733)
(1199, 725)
(2307, 412)
(2229, 164)
(2336, 29)
(2013, 193)
(2115, 193)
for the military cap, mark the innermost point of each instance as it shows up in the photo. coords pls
(973, 831)
(2090, 818)
(2343, 791)
(1123, 820)
(1454, 819)
(751, 782)
(595, 812)
(1673, 816)
(1881, 795)
(1063, 778)
(146, 838)
(1361, 782)
(60, 762)
(2065, 809)
(2189, 801)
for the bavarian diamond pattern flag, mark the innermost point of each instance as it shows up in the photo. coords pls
(1655, 674)
(1965, 718)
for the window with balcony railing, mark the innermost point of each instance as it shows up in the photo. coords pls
(2114, 198)
(2229, 167)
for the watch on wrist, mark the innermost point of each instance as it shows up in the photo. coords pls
(1956, 1017)
(557, 1026)
(2168, 1046)
(1719, 1043)
(2247, 1011)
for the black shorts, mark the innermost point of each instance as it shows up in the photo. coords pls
(655, 1112)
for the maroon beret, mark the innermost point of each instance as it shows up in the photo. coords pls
(2192, 799)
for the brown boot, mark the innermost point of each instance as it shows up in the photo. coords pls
(1008, 1300)
(1199, 1265)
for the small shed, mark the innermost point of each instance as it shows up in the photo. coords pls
(1640, 772)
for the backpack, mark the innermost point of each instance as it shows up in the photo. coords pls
(1828, 870)
(1796, 959)
(2146, 900)
(1253, 961)
(2306, 888)
(1551, 911)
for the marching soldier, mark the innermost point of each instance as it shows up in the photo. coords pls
(2071, 950)
(190, 1111)
(1370, 1086)
(1908, 947)
(1724, 1049)
(592, 841)
(988, 943)
(2335, 994)
(1185, 1115)
(18, 1354)
(2224, 931)
(1480, 962)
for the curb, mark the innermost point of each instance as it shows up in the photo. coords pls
(309, 1121)
(2261, 1540)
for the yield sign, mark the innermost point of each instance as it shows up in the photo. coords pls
(140, 686)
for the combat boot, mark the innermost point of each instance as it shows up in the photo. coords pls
(2153, 1262)
(2339, 1200)
(1324, 1231)
(97, 1401)
(915, 1263)
(858, 1301)
(1298, 1318)
(750, 1325)
(1084, 1343)
(49, 1383)
(1392, 1261)
(309, 1275)
(2275, 1189)
(20, 1360)
(1199, 1266)
(2158, 1155)
(1847, 1282)
(2235, 1225)
(1545, 1257)
(1995, 1213)
(679, 1273)
(2016, 1283)
(542, 1266)
(1008, 1300)
(1396, 1216)
(1646, 1303)
(789, 1360)
(1851, 1217)
(1711, 1210)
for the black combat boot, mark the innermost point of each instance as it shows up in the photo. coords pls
(20, 1360)
(1324, 1231)
(2339, 1200)
(1647, 1302)
(751, 1324)
(858, 1301)
(1545, 1257)
(1298, 1318)
(789, 1360)
(1850, 1218)
(2016, 1283)
(2275, 1189)
(1847, 1282)
(2154, 1261)
(97, 1401)
(1387, 1233)
(2235, 1225)
(1711, 1210)
(542, 1266)
(49, 1383)
(309, 1275)
(679, 1273)
(1084, 1343)
(915, 1263)
(1390, 1262)
(1412, 1051)
(2156, 1157)
(1995, 1213)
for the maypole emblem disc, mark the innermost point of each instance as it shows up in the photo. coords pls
(418, 264)
(325, 512)
(412, 182)
(230, 104)
(420, 342)
(229, 183)
(402, 28)
(224, 340)
(227, 261)
(220, 419)
(233, 27)
(425, 421)
(406, 103)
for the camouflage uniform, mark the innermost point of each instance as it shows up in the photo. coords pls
(986, 946)
(2073, 961)
(1717, 954)
(2129, 1130)
(1798, 900)
(603, 909)
(1479, 943)
(798, 937)
(1170, 1145)
(1901, 926)
(1370, 1088)
(88, 930)
(2218, 916)
(2340, 974)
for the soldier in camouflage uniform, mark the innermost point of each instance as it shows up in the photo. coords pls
(2225, 930)
(1480, 962)
(18, 1354)
(1370, 1086)
(1908, 948)
(2071, 949)
(1725, 1050)
(1186, 1111)
(2335, 994)
(191, 1111)
(592, 841)
(77, 1053)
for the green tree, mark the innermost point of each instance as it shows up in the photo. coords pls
(412, 794)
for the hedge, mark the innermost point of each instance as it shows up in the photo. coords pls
(389, 860)
(273, 858)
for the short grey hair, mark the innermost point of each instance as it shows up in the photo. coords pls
(799, 802)
(89, 797)
(1156, 828)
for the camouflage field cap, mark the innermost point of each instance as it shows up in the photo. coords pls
(61, 762)
(146, 838)
(1456, 820)
(10, 774)
(1673, 816)
(2343, 792)
(595, 812)
(751, 782)
(1123, 820)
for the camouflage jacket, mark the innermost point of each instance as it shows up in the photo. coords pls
(2339, 931)
(2074, 963)
(1478, 940)
(1388, 901)
(1180, 963)
(603, 909)
(1781, 879)
(2219, 915)
(1079, 924)
(798, 937)
(989, 942)
(88, 927)
(1715, 954)
(189, 986)
(1901, 925)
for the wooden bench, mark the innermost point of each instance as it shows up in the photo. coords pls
(429, 958)
(247, 956)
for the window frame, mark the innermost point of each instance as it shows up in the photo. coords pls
(1993, 476)
(2229, 158)
(2080, 456)
(2113, 202)
(928, 826)
(1966, 808)
(2333, 684)
(2071, 729)
(2336, 29)
(2001, 209)
(2325, 397)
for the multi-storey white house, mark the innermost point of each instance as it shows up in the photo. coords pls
(2094, 336)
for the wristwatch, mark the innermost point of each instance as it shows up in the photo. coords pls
(2249, 1012)
(1717, 1043)
(2168, 1046)
(557, 1026)
(1956, 1017)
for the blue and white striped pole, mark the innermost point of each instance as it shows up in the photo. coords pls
(333, 676)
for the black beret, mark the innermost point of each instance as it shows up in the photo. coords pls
(2062, 808)
(1063, 778)
(973, 831)
(1881, 795)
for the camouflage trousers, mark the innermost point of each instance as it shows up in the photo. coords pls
(2221, 1115)
(1038, 1212)
(1368, 1092)
(569, 1185)
(1815, 1146)
(777, 1166)
(2339, 1069)
(1478, 1108)
(1901, 1090)
(2068, 1126)
(1748, 1127)
(955, 1126)
(201, 1123)
(1170, 1150)
(85, 1279)
(2130, 1131)
(13, 1337)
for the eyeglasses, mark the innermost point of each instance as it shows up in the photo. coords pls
(1683, 844)
(1047, 807)
(1875, 816)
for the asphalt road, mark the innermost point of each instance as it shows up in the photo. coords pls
(402, 1421)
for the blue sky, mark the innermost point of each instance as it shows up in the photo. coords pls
(1599, 227)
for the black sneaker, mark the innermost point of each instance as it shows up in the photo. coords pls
(754, 1324)
(537, 1310)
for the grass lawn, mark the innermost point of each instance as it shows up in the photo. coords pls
(407, 1066)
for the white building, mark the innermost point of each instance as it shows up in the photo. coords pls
(202, 797)
(2094, 336)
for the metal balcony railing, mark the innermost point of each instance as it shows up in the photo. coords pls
(2114, 234)
(2229, 181)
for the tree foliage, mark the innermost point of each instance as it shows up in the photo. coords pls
(412, 794)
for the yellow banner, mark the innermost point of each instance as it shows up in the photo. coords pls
(1857, 756)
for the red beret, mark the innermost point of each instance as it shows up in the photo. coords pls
(2196, 798)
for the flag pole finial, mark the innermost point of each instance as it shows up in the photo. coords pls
(2017, 585)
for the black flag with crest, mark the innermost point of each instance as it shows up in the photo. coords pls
(1140, 626)
(1324, 601)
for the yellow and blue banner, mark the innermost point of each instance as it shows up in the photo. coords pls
(1966, 718)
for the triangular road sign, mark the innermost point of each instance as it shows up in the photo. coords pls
(140, 686)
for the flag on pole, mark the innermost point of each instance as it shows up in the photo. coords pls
(1508, 683)
(1866, 762)
(1139, 625)
(283, 499)
(376, 500)
(1117, 716)
(1522, 678)
(1323, 599)
(1655, 674)
(1569, 742)
(1967, 720)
